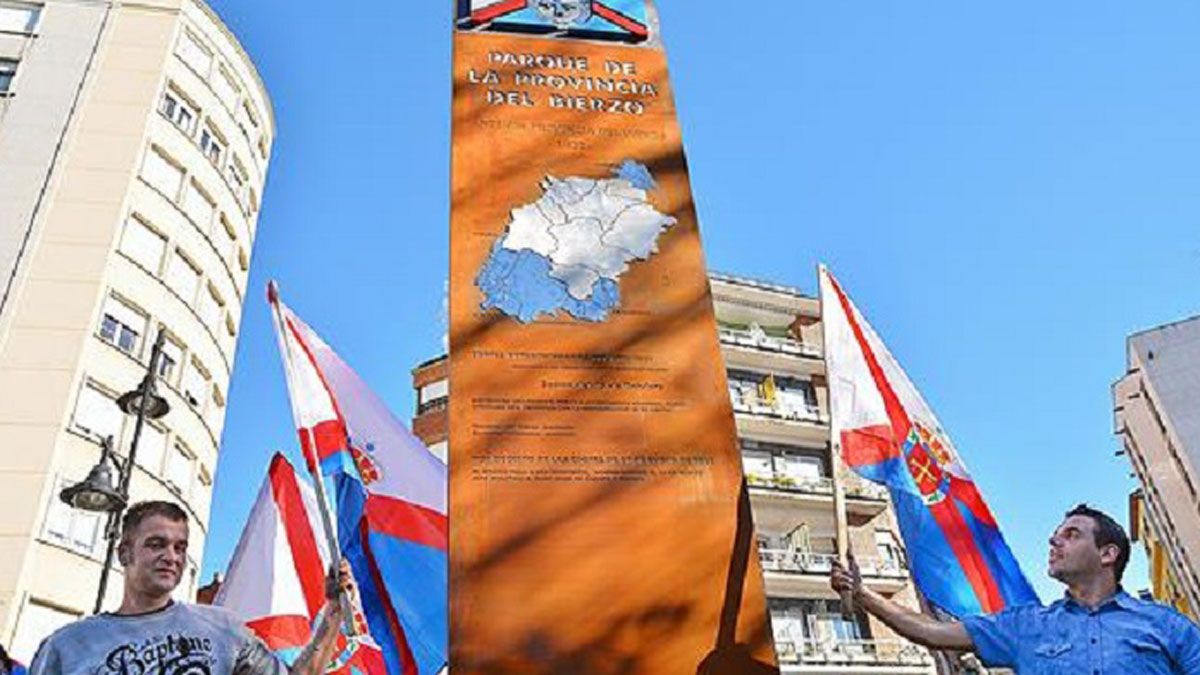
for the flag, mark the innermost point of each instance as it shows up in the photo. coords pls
(767, 390)
(624, 20)
(276, 580)
(888, 434)
(390, 496)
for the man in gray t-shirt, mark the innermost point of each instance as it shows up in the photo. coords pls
(150, 633)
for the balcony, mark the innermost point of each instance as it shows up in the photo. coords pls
(761, 341)
(879, 568)
(865, 500)
(790, 485)
(436, 405)
(861, 653)
(886, 576)
(747, 403)
(796, 562)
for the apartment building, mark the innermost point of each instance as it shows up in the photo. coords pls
(802, 495)
(1157, 421)
(134, 144)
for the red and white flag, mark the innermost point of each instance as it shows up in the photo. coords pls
(276, 580)
(886, 432)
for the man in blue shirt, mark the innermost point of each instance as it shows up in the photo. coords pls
(1095, 629)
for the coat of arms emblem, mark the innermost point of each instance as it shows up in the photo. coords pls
(563, 14)
(926, 455)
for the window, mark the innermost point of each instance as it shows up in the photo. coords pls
(216, 412)
(196, 55)
(248, 120)
(434, 391)
(18, 17)
(212, 145)
(211, 308)
(96, 413)
(162, 174)
(821, 621)
(168, 363)
(202, 498)
(229, 340)
(251, 202)
(76, 529)
(225, 239)
(152, 448)
(757, 466)
(195, 384)
(36, 622)
(237, 180)
(226, 89)
(178, 472)
(8, 71)
(889, 550)
(143, 245)
(179, 111)
(183, 277)
(198, 205)
(121, 325)
(799, 468)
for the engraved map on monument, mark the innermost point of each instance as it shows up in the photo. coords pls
(566, 251)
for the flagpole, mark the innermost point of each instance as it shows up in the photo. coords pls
(331, 540)
(839, 490)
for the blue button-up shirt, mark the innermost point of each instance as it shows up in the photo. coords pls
(1121, 635)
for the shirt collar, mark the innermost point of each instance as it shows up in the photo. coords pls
(1120, 598)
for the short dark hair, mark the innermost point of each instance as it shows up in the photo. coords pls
(1107, 532)
(143, 510)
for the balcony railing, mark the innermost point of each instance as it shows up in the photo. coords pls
(857, 652)
(785, 483)
(779, 345)
(435, 405)
(801, 562)
(796, 562)
(881, 568)
(751, 404)
(866, 490)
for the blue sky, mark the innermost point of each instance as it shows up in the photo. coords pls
(1006, 192)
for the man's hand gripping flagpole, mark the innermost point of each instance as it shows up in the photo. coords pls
(847, 579)
(845, 559)
(336, 569)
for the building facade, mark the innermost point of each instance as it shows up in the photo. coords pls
(802, 495)
(1157, 420)
(134, 144)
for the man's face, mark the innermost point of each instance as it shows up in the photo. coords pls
(1073, 550)
(156, 555)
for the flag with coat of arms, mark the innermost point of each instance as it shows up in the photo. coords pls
(389, 493)
(275, 582)
(888, 434)
(620, 20)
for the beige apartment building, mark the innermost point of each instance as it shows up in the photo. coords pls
(1157, 418)
(134, 143)
(801, 493)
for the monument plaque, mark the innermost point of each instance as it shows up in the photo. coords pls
(599, 520)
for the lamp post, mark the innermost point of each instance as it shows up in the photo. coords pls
(96, 493)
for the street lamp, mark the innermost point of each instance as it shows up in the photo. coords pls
(96, 493)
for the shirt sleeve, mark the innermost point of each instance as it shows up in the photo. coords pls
(995, 637)
(1186, 647)
(46, 661)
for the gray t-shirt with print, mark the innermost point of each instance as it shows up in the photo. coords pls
(180, 639)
